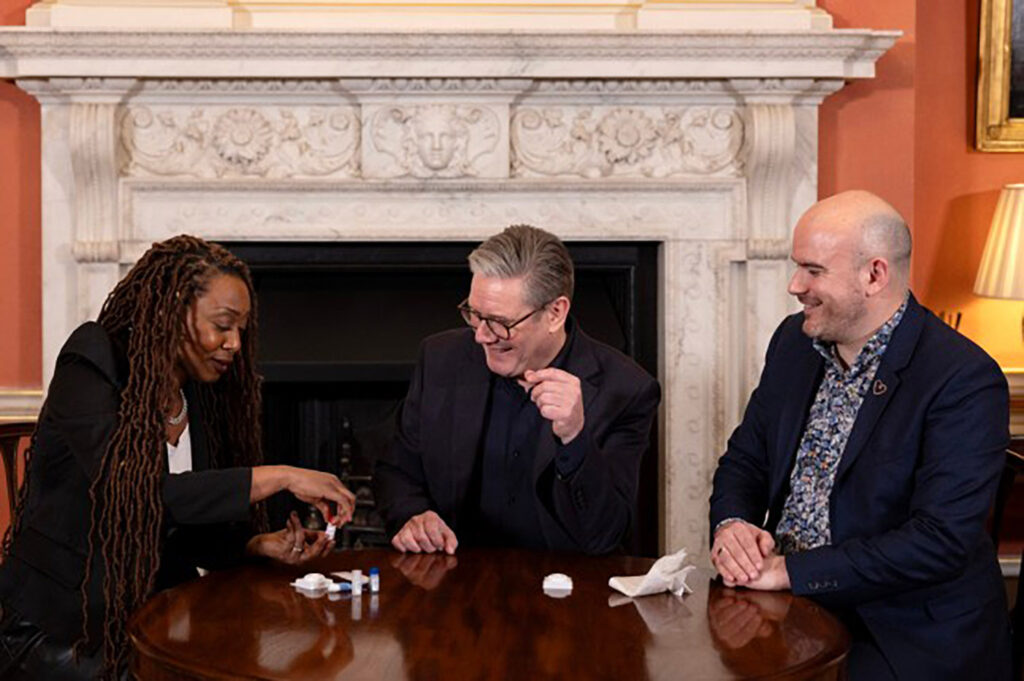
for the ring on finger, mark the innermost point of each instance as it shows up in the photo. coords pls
(298, 549)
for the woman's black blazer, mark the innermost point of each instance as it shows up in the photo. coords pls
(206, 511)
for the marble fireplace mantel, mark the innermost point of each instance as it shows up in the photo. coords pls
(704, 141)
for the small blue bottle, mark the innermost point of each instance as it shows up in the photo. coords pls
(374, 580)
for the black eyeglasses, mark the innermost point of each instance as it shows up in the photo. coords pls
(503, 330)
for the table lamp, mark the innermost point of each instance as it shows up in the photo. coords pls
(1001, 273)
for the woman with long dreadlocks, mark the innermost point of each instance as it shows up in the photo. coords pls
(145, 465)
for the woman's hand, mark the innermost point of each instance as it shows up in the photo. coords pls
(293, 545)
(322, 490)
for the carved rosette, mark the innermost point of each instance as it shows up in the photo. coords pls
(221, 142)
(242, 137)
(435, 141)
(626, 136)
(596, 142)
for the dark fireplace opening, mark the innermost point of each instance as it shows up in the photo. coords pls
(339, 329)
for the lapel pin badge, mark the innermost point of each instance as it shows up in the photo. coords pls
(879, 387)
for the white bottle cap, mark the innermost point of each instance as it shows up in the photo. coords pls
(557, 585)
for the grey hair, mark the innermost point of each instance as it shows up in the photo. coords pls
(886, 233)
(525, 251)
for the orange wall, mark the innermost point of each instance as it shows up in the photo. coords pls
(906, 135)
(866, 136)
(20, 309)
(957, 186)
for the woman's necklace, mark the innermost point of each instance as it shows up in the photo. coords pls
(176, 420)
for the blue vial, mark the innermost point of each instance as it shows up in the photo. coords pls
(374, 580)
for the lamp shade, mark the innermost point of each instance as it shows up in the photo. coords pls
(1001, 274)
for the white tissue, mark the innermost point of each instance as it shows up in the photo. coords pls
(667, 574)
(347, 576)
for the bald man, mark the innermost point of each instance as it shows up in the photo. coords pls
(868, 457)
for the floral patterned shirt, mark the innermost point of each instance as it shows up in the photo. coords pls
(804, 523)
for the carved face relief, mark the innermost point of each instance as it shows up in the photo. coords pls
(434, 140)
(437, 136)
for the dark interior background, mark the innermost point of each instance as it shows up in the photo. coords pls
(339, 329)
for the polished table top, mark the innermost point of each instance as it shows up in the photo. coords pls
(481, 614)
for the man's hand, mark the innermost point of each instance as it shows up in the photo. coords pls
(558, 396)
(739, 551)
(773, 577)
(425, 533)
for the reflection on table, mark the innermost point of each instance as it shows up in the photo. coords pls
(479, 615)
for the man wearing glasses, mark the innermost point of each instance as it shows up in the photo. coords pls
(520, 430)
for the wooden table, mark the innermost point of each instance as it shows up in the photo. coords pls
(479, 615)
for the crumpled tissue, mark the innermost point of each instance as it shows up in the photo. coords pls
(667, 574)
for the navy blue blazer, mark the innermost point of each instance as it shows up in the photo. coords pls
(909, 556)
(441, 424)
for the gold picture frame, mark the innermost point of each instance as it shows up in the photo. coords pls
(1000, 120)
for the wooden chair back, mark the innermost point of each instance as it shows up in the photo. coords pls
(11, 437)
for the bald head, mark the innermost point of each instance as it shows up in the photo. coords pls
(852, 257)
(870, 225)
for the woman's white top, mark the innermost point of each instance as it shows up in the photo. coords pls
(179, 459)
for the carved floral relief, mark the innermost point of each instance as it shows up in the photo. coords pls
(240, 142)
(434, 141)
(595, 142)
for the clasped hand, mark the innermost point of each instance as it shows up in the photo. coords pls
(744, 555)
(425, 533)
